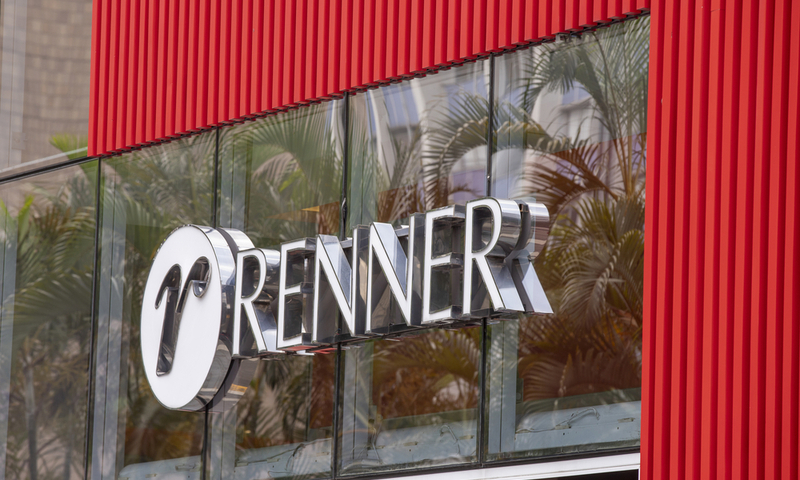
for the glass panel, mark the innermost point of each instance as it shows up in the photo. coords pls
(145, 195)
(280, 180)
(418, 145)
(44, 82)
(411, 403)
(47, 230)
(414, 146)
(571, 122)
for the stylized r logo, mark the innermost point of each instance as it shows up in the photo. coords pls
(197, 282)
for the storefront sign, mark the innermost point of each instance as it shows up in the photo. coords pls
(213, 303)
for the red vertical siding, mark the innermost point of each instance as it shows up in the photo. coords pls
(171, 56)
(721, 350)
(191, 68)
(123, 52)
(256, 59)
(165, 69)
(181, 79)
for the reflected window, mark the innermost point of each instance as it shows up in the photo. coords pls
(47, 225)
(570, 129)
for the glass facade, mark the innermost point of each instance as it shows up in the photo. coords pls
(563, 124)
(570, 129)
(48, 239)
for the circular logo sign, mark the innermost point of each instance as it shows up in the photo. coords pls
(185, 349)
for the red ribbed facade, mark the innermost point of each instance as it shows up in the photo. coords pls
(721, 363)
(721, 372)
(164, 69)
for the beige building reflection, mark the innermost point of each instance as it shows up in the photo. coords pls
(44, 81)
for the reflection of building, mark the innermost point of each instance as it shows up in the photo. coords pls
(44, 84)
(674, 335)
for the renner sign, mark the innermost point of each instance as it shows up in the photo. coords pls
(213, 303)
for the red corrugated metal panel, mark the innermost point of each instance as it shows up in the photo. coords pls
(416, 35)
(214, 48)
(181, 79)
(368, 50)
(572, 13)
(122, 75)
(99, 68)
(235, 66)
(630, 7)
(776, 231)
(312, 54)
(163, 69)
(334, 48)
(403, 38)
(531, 20)
(191, 67)
(467, 29)
(322, 45)
(790, 444)
(504, 23)
(113, 85)
(277, 75)
(493, 27)
(171, 66)
(133, 72)
(440, 40)
(246, 62)
(379, 50)
(586, 13)
(601, 11)
(346, 47)
(149, 122)
(392, 37)
(518, 16)
(711, 254)
(545, 28)
(615, 9)
(94, 79)
(721, 337)
(267, 59)
(731, 25)
(558, 24)
(453, 31)
(428, 34)
(256, 59)
(221, 95)
(141, 74)
(299, 31)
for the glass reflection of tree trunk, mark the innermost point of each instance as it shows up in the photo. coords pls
(30, 418)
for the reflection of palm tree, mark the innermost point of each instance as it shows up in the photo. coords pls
(54, 238)
(429, 373)
(592, 267)
(154, 191)
(292, 182)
